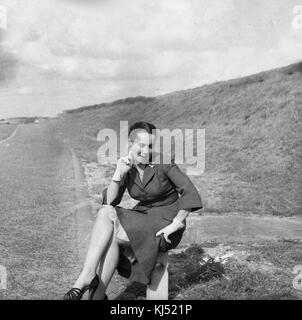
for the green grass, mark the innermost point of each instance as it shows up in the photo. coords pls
(253, 137)
(236, 279)
(270, 277)
(284, 254)
(243, 284)
(6, 130)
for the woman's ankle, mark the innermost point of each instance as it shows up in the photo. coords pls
(84, 279)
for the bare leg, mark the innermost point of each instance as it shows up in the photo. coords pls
(100, 238)
(107, 267)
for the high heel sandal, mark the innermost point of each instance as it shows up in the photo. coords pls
(76, 293)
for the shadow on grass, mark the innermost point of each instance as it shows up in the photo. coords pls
(185, 269)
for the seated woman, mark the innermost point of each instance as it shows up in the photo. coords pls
(166, 196)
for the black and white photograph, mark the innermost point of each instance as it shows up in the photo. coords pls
(150, 150)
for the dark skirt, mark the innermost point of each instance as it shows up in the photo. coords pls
(141, 225)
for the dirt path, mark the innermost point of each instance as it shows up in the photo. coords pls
(10, 137)
(236, 228)
(38, 230)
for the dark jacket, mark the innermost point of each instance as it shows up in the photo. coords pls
(164, 191)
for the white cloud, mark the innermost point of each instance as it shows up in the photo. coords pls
(46, 34)
(25, 90)
(297, 18)
(144, 47)
(69, 65)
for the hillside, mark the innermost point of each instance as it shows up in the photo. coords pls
(253, 137)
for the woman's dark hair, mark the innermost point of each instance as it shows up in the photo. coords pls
(142, 125)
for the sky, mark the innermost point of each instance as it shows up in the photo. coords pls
(64, 54)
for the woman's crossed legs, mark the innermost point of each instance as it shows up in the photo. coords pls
(103, 252)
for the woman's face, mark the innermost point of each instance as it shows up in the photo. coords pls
(141, 146)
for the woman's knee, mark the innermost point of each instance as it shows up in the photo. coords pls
(107, 211)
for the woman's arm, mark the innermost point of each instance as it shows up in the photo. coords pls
(115, 197)
(189, 199)
(115, 191)
(182, 215)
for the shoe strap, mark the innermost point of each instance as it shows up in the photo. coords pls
(74, 293)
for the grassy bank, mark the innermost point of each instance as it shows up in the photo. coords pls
(253, 137)
(253, 165)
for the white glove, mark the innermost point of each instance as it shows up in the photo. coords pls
(174, 226)
(124, 164)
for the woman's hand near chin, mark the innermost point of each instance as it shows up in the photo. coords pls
(123, 165)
